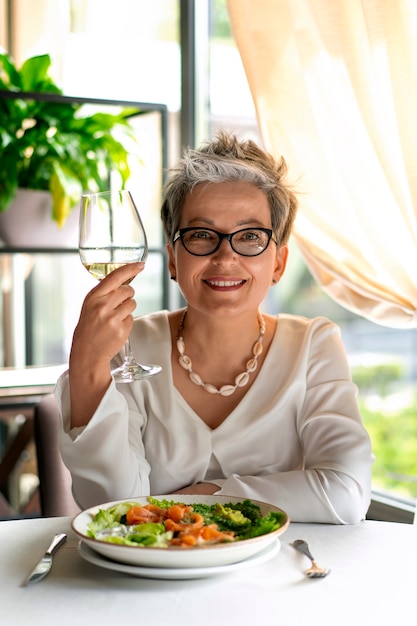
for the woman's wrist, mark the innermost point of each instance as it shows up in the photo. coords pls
(201, 488)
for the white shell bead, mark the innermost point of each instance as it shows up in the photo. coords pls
(196, 379)
(210, 388)
(258, 348)
(251, 365)
(185, 361)
(227, 390)
(242, 379)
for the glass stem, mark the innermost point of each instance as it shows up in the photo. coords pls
(128, 352)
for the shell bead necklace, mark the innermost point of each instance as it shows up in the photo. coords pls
(241, 380)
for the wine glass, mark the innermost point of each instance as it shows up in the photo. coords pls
(111, 235)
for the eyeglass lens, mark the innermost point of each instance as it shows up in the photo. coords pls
(247, 242)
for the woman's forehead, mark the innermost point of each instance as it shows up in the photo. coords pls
(210, 201)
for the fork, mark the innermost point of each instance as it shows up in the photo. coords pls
(315, 571)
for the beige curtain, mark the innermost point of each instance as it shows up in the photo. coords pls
(335, 88)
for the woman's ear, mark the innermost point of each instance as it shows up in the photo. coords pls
(280, 263)
(171, 262)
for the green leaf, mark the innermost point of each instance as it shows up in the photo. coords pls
(66, 191)
(34, 75)
(62, 147)
(9, 76)
(8, 179)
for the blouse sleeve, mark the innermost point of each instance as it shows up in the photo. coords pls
(106, 458)
(333, 484)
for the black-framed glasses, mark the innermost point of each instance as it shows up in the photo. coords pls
(202, 241)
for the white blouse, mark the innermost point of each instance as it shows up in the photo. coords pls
(295, 440)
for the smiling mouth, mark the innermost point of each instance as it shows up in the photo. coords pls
(224, 283)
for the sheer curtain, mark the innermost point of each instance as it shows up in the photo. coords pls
(334, 84)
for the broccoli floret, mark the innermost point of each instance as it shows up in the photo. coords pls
(249, 509)
(264, 525)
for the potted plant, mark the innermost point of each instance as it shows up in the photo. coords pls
(53, 143)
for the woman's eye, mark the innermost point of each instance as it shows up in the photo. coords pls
(250, 236)
(201, 234)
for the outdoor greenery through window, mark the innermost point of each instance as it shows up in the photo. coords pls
(384, 367)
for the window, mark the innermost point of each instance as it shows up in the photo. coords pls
(126, 51)
(383, 360)
(131, 50)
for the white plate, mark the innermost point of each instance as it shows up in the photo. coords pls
(180, 573)
(176, 557)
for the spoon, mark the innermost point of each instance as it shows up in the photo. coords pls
(315, 571)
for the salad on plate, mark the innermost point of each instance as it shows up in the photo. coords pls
(165, 523)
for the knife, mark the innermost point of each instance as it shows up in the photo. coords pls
(44, 566)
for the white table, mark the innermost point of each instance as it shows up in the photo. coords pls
(18, 383)
(372, 582)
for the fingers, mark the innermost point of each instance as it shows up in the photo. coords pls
(108, 308)
(122, 276)
(106, 316)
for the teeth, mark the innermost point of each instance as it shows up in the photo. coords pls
(225, 283)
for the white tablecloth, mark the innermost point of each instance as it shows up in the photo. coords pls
(373, 582)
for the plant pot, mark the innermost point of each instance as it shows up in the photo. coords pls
(28, 223)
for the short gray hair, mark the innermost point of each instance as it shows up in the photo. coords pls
(226, 159)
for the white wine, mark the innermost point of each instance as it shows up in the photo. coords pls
(101, 261)
(101, 270)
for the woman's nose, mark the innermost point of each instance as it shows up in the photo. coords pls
(225, 252)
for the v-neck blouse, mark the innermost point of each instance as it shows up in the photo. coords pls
(295, 440)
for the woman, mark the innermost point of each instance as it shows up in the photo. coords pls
(247, 404)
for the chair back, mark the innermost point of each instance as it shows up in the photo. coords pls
(54, 478)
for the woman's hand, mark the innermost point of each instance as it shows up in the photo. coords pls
(106, 317)
(103, 328)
